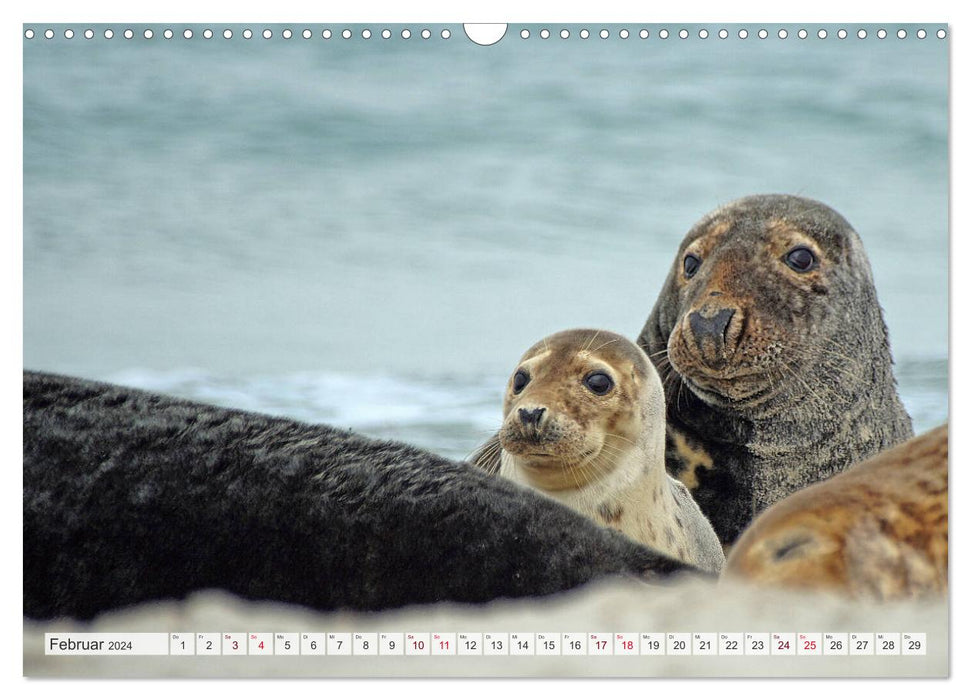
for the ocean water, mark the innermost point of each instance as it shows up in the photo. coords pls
(369, 233)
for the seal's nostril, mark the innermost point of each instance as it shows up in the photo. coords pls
(711, 328)
(530, 416)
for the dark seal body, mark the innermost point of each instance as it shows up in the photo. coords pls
(774, 355)
(130, 497)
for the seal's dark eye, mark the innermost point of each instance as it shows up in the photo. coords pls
(801, 259)
(691, 265)
(519, 381)
(598, 382)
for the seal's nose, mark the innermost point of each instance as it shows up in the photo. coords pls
(530, 416)
(711, 334)
(710, 328)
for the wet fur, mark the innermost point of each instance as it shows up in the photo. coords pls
(130, 496)
(806, 387)
(877, 531)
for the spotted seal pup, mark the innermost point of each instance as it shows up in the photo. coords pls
(876, 531)
(583, 423)
(774, 356)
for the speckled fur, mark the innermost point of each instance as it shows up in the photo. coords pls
(602, 455)
(877, 531)
(130, 497)
(803, 386)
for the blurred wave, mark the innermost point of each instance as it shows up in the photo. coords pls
(448, 415)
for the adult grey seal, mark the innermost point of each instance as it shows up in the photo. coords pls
(876, 531)
(774, 356)
(583, 423)
(131, 497)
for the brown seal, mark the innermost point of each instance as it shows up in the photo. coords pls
(583, 423)
(774, 356)
(877, 531)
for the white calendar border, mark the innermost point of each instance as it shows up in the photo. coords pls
(498, 10)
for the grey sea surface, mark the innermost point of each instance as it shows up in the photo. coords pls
(369, 233)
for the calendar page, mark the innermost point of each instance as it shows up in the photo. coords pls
(352, 232)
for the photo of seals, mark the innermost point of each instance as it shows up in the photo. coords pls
(131, 496)
(583, 423)
(876, 531)
(774, 356)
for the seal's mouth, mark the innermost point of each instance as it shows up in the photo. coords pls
(725, 391)
(543, 450)
(738, 387)
(528, 443)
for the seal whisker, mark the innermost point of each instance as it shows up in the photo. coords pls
(605, 464)
(611, 451)
(571, 468)
(620, 437)
(491, 450)
(599, 468)
(831, 348)
(586, 347)
(681, 388)
(601, 347)
(488, 456)
(664, 367)
(819, 400)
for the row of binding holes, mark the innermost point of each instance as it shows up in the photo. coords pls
(445, 34)
(724, 34)
(246, 34)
